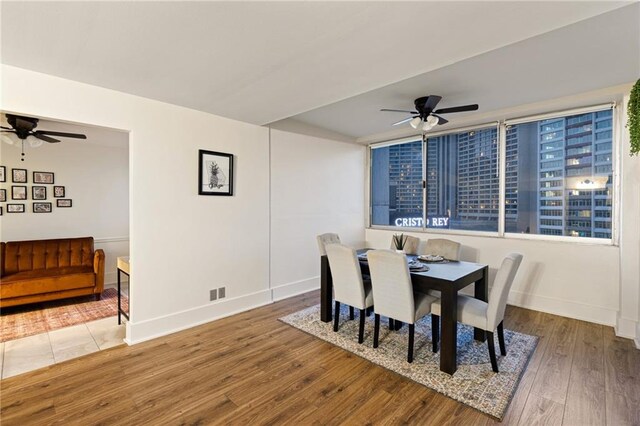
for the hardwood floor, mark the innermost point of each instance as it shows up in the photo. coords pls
(253, 369)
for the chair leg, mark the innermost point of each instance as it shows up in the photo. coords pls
(492, 351)
(435, 331)
(411, 332)
(398, 324)
(369, 310)
(503, 348)
(391, 325)
(361, 329)
(352, 314)
(336, 316)
(376, 330)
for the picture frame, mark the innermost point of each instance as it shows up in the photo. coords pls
(66, 202)
(43, 177)
(3, 174)
(3, 195)
(18, 192)
(38, 192)
(58, 192)
(0, 211)
(15, 208)
(19, 175)
(42, 207)
(215, 173)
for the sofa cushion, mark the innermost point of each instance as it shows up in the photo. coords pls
(46, 280)
(22, 256)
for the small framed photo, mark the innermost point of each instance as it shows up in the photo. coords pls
(215, 173)
(19, 175)
(43, 177)
(63, 203)
(3, 195)
(18, 192)
(3, 174)
(38, 192)
(15, 208)
(58, 191)
(0, 211)
(42, 207)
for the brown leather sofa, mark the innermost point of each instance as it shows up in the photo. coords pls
(40, 270)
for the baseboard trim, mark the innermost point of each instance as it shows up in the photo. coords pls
(138, 332)
(565, 308)
(295, 288)
(625, 327)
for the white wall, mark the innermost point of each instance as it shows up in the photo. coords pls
(96, 179)
(182, 244)
(316, 187)
(573, 280)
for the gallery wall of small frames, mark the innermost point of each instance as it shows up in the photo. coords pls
(17, 190)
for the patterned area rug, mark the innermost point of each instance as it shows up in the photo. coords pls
(474, 383)
(36, 318)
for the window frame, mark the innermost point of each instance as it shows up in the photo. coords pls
(501, 126)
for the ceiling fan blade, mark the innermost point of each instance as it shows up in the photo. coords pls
(432, 101)
(63, 134)
(462, 108)
(45, 138)
(404, 121)
(441, 120)
(399, 110)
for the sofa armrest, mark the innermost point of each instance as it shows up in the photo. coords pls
(98, 269)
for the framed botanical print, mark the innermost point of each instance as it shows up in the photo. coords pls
(215, 173)
(63, 203)
(38, 192)
(19, 175)
(15, 208)
(42, 207)
(3, 195)
(18, 192)
(43, 177)
(3, 174)
(58, 191)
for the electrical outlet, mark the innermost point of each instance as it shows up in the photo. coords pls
(213, 294)
(222, 292)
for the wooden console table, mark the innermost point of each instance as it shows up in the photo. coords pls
(123, 267)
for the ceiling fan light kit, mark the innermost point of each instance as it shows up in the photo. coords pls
(425, 117)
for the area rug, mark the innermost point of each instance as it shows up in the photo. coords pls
(474, 383)
(36, 318)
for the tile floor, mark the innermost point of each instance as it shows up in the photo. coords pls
(33, 352)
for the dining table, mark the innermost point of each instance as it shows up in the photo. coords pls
(447, 276)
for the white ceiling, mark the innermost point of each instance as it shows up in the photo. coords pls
(264, 61)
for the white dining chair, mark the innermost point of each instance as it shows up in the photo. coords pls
(411, 244)
(393, 293)
(348, 285)
(487, 315)
(326, 239)
(442, 247)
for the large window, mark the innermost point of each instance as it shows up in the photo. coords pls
(462, 180)
(567, 178)
(558, 178)
(396, 185)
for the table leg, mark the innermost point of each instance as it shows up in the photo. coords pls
(326, 287)
(481, 292)
(449, 330)
(119, 309)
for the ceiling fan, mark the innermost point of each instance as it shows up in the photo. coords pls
(23, 127)
(426, 116)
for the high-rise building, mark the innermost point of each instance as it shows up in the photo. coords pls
(574, 154)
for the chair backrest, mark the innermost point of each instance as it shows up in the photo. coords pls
(500, 291)
(346, 274)
(411, 244)
(326, 239)
(442, 247)
(391, 282)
